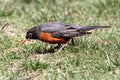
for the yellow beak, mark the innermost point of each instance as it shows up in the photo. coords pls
(22, 42)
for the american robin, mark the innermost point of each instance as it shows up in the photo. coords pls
(58, 32)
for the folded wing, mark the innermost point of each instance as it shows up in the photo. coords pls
(65, 30)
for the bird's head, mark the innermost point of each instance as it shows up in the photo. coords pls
(32, 33)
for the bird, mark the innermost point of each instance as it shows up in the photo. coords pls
(58, 32)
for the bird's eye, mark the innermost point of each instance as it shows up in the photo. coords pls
(30, 34)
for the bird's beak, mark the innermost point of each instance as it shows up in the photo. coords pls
(22, 42)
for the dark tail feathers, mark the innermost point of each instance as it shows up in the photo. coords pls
(87, 28)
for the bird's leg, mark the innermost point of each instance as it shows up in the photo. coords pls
(73, 42)
(50, 48)
(58, 46)
(63, 46)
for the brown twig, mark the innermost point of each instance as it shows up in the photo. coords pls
(5, 25)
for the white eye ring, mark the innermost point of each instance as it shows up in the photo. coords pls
(30, 34)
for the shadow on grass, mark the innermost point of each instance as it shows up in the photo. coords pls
(50, 50)
(54, 49)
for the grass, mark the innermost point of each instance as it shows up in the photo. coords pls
(93, 57)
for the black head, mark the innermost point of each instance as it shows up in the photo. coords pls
(33, 33)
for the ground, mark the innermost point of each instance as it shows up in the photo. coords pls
(92, 57)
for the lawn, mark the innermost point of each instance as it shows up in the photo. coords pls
(92, 57)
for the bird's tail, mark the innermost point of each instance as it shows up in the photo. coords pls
(88, 28)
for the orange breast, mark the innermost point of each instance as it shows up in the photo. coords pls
(46, 37)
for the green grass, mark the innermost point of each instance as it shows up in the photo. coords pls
(93, 57)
